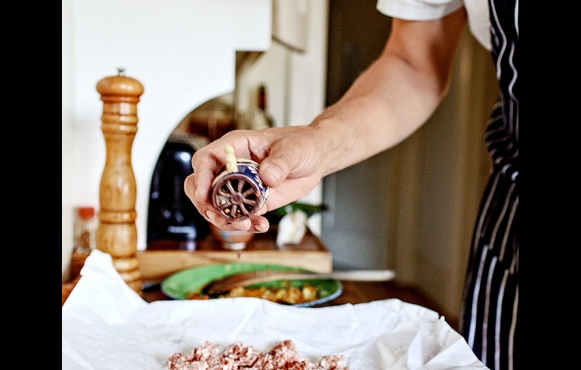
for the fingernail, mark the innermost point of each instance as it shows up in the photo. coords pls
(273, 172)
(242, 225)
(211, 215)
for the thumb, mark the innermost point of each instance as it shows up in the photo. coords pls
(271, 174)
(275, 168)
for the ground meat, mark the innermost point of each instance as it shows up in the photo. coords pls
(283, 356)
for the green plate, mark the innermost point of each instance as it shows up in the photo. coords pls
(178, 285)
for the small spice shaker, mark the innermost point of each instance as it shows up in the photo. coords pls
(85, 231)
(238, 190)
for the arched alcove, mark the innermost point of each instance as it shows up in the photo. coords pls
(172, 220)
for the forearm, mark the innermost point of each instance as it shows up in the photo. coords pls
(384, 106)
(394, 96)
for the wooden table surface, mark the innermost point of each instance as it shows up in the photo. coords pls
(353, 292)
(311, 254)
(357, 292)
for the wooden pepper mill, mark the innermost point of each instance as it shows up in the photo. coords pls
(117, 232)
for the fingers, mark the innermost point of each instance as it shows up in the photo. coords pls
(257, 224)
(271, 173)
(207, 162)
(289, 160)
(286, 155)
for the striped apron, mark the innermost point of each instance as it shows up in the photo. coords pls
(488, 318)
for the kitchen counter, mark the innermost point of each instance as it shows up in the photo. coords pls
(353, 293)
(311, 254)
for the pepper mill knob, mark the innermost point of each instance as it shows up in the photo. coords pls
(117, 232)
(117, 87)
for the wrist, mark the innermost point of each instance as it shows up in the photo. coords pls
(332, 143)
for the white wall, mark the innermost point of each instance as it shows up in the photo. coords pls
(183, 52)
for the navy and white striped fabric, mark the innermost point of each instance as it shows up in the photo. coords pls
(502, 134)
(488, 319)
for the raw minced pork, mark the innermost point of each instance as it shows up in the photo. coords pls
(283, 356)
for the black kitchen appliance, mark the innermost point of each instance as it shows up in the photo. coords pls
(172, 220)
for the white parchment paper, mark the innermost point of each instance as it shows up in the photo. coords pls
(106, 325)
